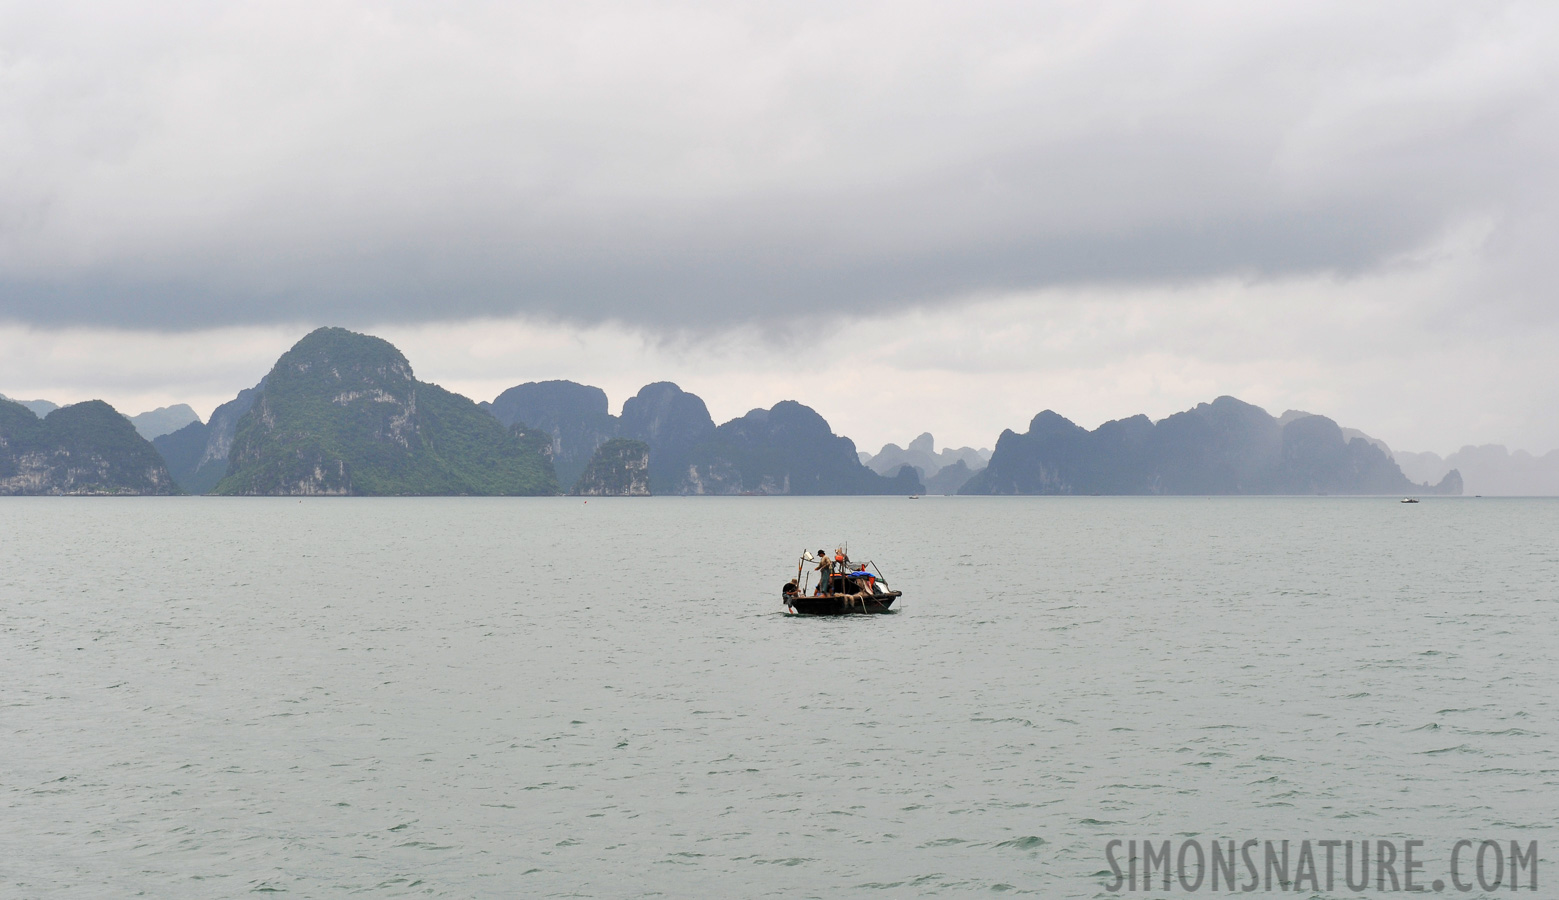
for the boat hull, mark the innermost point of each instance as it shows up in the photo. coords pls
(841, 604)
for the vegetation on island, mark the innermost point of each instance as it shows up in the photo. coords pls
(85, 448)
(788, 449)
(618, 468)
(341, 413)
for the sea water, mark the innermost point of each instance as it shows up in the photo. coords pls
(206, 697)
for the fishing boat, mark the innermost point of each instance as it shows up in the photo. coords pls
(859, 589)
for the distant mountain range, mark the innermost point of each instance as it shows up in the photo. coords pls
(788, 449)
(163, 420)
(1223, 447)
(1489, 470)
(951, 479)
(39, 408)
(942, 473)
(342, 413)
(160, 421)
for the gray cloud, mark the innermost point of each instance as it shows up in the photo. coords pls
(194, 165)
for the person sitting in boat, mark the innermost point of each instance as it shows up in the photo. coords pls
(825, 572)
(841, 560)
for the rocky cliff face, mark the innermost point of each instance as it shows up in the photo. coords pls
(342, 413)
(670, 420)
(1317, 458)
(788, 449)
(573, 415)
(619, 468)
(673, 422)
(197, 453)
(1451, 484)
(87, 448)
(1223, 447)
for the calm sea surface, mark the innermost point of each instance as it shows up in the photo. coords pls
(204, 697)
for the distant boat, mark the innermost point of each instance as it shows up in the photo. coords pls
(914, 496)
(1408, 500)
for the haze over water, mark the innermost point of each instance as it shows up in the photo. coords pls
(203, 697)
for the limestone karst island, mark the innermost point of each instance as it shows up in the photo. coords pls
(343, 414)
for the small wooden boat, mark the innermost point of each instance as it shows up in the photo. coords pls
(860, 589)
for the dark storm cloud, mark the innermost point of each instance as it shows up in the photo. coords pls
(186, 166)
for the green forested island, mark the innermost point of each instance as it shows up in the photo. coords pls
(83, 449)
(618, 468)
(341, 413)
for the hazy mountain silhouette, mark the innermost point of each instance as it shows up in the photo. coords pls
(672, 422)
(163, 420)
(789, 449)
(39, 408)
(949, 479)
(574, 415)
(1223, 447)
(921, 453)
(1347, 433)
(1490, 469)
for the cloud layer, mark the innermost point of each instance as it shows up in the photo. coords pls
(1373, 352)
(185, 165)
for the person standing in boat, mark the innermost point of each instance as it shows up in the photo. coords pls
(825, 571)
(841, 564)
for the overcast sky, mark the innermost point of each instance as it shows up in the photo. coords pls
(1100, 208)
